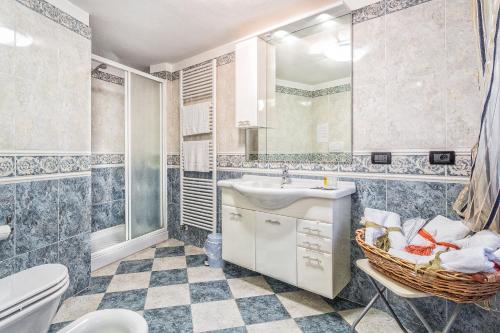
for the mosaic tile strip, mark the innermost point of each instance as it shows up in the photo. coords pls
(108, 77)
(414, 165)
(226, 59)
(362, 164)
(173, 159)
(166, 75)
(397, 5)
(55, 14)
(462, 167)
(21, 165)
(369, 12)
(313, 93)
(105, 159)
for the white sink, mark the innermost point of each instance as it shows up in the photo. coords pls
(267, 192)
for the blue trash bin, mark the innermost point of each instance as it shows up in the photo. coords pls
(213, 250)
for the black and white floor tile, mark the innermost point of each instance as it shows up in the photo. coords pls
(172, 288)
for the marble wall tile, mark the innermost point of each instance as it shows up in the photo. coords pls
(362, 163)
(117, 212)
(74, 253)
(173, 109)
(41, 256)
(7, 267)
(474, 319)
(8, 102)
(416, 198)
(101, 185)
(101, 216)
(118, 183)
(36, 215)
(452, 192)
(7, 211)
(74, 206)
(415, 165)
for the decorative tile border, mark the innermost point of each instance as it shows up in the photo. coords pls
(462, 167)
(414, 165)
(166, 75)
(382, 8)
(55, 14)
(106, 159)
(226, 59)
(108, 77)
(313, 93)
(173, 159)
(21, 165)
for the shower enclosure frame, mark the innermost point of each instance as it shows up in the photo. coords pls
(132, 245)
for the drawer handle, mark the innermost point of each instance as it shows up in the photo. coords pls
(273, 221)
(313, 259)
(236, 214)
(312, 229)
(311, 244)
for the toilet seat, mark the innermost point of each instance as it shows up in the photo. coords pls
(22, 289)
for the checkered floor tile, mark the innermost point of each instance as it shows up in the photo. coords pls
(172, 288)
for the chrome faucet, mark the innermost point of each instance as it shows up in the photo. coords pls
(285, 176)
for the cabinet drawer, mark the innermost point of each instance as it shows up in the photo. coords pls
(314, 243)
(315, 228)
(314, 271)
(238, 236)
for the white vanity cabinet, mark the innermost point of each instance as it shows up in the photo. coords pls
(306, 243)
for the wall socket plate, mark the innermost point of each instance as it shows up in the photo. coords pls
(381, 158)
(442, 157)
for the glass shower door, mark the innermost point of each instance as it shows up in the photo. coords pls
(144, 156)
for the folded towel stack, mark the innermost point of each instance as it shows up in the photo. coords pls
(470, 260)
(379, 223)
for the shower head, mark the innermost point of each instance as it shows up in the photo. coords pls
(100, 66)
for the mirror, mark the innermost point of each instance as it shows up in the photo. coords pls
(309, 97)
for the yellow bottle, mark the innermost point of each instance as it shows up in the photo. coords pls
(325, 181)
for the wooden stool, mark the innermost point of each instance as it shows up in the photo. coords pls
(402, 291)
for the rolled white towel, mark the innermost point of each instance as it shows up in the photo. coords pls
(413, 258)
(484, 238)
(387, 220)
(470, 260)
(411, 228)
(497, 256)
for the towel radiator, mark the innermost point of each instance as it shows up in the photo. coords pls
(198, 190)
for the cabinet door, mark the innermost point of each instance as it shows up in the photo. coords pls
(315, 271)
(238, 236)
(275, 240)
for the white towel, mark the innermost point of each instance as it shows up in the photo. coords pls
(413, 258)
(441, 229)
(497, 256)
(388, 220)
(411, 228)
(196, 156)
(195, 119)
(470, 260)
(485, 238)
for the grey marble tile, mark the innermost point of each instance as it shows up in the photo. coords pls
(416, 199)
(175, 319)
(101, 185)
(202, 292)
(230, 330)
(117, 183)
(340, 304)
(261, 309)
(7, 206)
(168, 277)
(7, 166)
(232, 271)
(171, 251)
(414, 165)
(74, 206)
(328, 322)
(474, 319)
(74, 253)
(7, 267)
(117, 213)
(131, 300)
(452, 192)
(97, 285)
(196, 260)
(279, 286)
(135, 266)
(101, 216)
(36, 215)
(44, 255)
(54, 328)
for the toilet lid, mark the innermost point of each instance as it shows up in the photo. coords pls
(21, 286)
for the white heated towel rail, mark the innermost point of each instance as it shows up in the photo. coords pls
(199, 190)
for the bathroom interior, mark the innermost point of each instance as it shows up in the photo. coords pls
(249, 166)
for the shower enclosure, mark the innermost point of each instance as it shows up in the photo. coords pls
(128, 213)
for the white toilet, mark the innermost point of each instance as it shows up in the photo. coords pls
(29, 300)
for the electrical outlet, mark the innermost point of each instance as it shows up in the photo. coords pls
(442, 157)
(381, 158)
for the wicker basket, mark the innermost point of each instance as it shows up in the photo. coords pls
(456, 287)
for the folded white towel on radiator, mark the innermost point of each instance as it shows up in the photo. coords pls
(441, 229)
(485, 238)
(196, 155)
(470, 260)
(384, 219)
(413, 258)
(196, 119)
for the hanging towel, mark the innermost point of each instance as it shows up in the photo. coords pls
(411, 228)
(379, 223)
(196, 156)
(471, 260)
(484, 238)
(413, 258)
(437, 235)
(195, 119)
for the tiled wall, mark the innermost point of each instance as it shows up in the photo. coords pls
(414, 90)
(45, 185)
(108, 196)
